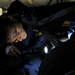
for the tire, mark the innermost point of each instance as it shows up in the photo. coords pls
(60, 61)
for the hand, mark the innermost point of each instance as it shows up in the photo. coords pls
(12, 50)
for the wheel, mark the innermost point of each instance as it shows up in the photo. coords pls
(59, 61)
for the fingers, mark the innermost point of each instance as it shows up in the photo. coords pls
(12, 51)
(16, 50)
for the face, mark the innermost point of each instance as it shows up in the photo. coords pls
(20, 36)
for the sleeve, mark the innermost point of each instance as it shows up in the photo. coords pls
(32, 66)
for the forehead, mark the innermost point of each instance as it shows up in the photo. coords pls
(13, 32)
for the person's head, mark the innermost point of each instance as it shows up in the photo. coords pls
(11, 30)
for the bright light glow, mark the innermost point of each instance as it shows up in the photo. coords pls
(46, 49)
(31, 1)
(1, 12)
(69, 34)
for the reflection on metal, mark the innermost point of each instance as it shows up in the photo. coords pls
(46, 49)
(66, 23)
(31, 1)
(1, 11)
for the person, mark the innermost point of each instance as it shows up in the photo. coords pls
(14, 42)
(21, 40)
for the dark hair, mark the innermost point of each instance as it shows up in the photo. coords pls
(7, 23)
